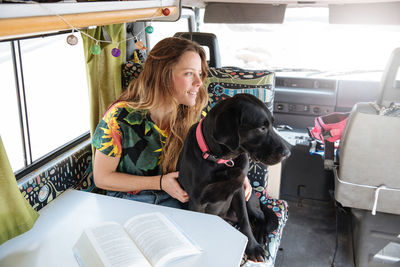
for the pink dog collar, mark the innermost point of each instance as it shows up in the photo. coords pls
(204, 148)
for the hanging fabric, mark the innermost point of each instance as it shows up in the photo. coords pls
(16, 215)
(103, 67)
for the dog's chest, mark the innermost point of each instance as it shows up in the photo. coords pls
(221, 185)
(219, 208)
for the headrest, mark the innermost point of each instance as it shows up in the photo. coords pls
(229, 81)
(205, 39)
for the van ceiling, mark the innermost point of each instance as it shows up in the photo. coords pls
(273, 11)
(290, 3)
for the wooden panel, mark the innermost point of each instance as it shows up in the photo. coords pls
(12, 27)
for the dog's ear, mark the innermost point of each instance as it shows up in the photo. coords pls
(226, 128)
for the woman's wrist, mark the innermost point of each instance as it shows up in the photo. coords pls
(161, 181)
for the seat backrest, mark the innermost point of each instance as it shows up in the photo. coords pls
(369, 163)
(205, 39)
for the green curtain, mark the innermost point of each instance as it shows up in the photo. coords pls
(16, 215)
(103, 70)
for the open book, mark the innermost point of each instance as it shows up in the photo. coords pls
(145, 240)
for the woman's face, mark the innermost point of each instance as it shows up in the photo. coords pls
(187, 78)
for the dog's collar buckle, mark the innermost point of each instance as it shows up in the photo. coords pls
(228, 162)
(206, 155)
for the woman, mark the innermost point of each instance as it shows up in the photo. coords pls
(141, 135)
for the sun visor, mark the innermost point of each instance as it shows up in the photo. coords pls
(243, 13)
(368, 13)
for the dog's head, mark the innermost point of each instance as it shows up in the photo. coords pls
(244, 123)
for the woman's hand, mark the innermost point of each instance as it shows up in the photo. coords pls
(247, 188)
(169, 184)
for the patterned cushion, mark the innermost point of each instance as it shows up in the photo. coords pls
(130, 70)
(280, 208)
(227, 82)
(72, 169)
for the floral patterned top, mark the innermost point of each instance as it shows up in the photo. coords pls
(131, 135)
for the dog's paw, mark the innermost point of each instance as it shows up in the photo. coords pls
(270, 218)
(262, 228)
(260, 232)
(255, 252)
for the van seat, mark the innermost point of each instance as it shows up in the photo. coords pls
(367, 180)
(73, 169)
(369, 162)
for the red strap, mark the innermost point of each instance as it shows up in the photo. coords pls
(329, 127)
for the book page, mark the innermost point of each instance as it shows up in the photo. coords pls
(85, 253)
(114, 246)
(158, 238)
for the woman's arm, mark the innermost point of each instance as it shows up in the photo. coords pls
(247, 188)
(106, 177)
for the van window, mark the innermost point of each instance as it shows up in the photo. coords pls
(9, 126)
(54, 78)
(168, 29)
(307, 43)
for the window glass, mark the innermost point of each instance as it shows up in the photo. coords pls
(167, 29)
(9, 126)
(306, 43)
(56, 92)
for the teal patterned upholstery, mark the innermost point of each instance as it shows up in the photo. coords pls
(226, 82)
(70, 170)
(130, 70)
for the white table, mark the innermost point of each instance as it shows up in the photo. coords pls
(61, 222)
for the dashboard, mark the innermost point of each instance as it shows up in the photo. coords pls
(299, 100)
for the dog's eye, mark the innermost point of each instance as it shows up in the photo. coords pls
(263, 128)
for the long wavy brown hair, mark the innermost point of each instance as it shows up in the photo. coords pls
(154, 88)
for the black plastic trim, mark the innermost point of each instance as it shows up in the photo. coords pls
(36, 36)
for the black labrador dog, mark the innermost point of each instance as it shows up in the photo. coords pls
(215, 160)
